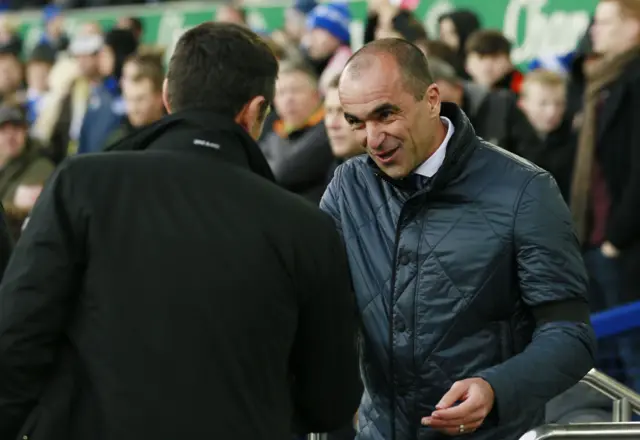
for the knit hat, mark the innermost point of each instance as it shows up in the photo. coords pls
(50, 12)
(560, 64)
(304, 6)
(332, 17)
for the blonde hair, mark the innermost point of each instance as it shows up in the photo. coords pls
(544, 77)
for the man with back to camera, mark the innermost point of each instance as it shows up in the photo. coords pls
(174, 291)
(466, 269)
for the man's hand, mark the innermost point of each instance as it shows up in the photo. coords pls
(609, 250)
(26, 196)
(476, 399)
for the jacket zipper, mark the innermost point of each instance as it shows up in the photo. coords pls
(391, 321)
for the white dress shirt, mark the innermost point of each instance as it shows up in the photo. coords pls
(431, 166)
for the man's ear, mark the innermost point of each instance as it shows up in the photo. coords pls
(432, 95)
(252, 116)
(165, 95)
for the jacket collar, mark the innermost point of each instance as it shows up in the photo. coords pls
(460, 147)
(202, 130)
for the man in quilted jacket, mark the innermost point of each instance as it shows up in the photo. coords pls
(465, 264)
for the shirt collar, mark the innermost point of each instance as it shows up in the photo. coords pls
(431, 166)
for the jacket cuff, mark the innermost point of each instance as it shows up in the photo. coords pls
(505, 405)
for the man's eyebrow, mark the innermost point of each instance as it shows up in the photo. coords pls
(382, 108)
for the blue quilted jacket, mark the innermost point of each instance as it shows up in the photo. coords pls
(451, 282)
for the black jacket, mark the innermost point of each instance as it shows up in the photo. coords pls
(301, 160)
(617, 153)
(477, 275)
(555, 153)
(6, 243)
(173, 293)
(495, 117)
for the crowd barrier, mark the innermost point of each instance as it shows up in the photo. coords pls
(616, 321)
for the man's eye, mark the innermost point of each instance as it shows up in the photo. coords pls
(354, 123)
(385, 115)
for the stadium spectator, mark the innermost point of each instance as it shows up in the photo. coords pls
(438, 49)
(133, 24)
(106, 110)
(327, 40)
(295, 23)
(23, 168)
(605, 191)
(39, 68)
(543, 99)
(455, 28)
(488, 61)
(388, 18)
(343, 141)
(54, 38)
(142, 95)
(72, 110)
(298, 149)
(494, 114)
(229, 13)
(10, 40)
(11, 76)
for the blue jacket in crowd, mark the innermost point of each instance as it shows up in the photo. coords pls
(105, 113)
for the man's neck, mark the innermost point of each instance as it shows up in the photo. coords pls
(441, 134)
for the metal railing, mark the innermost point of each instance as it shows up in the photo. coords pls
(625, 403)
(608, 431)
(317, 437)
(625, 400)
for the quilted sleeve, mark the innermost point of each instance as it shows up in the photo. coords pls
(553, 283)
(330, 202)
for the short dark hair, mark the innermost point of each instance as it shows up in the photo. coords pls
(438, 49)
(412, 63)
(298, 66)
(149, 67)
(488, 42)
(220, 67)
(136, 24)
(443, 71)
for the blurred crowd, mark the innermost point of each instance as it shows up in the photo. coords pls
(13, 5)
(76, 94)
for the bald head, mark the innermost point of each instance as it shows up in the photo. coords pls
(406, 57)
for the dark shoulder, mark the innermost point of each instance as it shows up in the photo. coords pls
(496, 158)
(508, 171)
(258, 196)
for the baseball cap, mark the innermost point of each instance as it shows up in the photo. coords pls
(12, 114)
(86, 45)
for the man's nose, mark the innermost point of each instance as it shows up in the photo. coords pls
(331, 122)
(375, 136)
